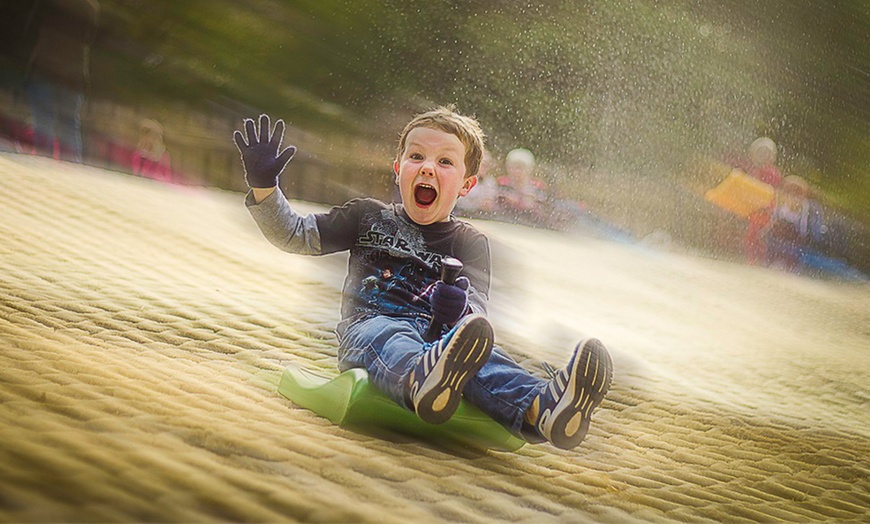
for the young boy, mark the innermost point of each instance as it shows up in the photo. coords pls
(392, 291)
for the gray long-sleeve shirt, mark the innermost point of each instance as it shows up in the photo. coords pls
(393, 261)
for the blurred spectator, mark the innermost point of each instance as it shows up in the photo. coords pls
(151, 159)
(522, 196)
(481, 200)
(762, 161)
(795, 223)
(762, 166)
(519, 196)
(58, 75)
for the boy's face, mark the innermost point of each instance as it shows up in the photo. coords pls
(431, 175)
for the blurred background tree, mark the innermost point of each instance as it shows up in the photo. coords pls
(635, 89)
(637, 86)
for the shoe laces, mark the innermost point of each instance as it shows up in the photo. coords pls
(549, 369)
(558, 381)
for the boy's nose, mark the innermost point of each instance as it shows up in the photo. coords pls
(428, 168)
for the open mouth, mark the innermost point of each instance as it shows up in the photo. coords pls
(424, 194)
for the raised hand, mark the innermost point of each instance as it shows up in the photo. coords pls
(449, 302)
(261, 159)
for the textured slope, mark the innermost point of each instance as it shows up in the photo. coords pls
(143, 329)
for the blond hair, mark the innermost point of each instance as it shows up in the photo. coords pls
(466, 129)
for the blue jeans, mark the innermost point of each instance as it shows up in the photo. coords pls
(389, 348)
(56, 112)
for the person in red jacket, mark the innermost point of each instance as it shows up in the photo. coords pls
(151, 159)
(762, 166)
(522, 197)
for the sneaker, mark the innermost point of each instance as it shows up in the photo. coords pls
(437, 381)
(565, 406)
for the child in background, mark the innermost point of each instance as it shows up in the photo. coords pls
(151, 159)
(437, 161)
(762, 160)
(482, 202)
(794, 223)
(521, 195)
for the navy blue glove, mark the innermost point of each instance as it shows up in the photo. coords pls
(449, 302)
(260, 157)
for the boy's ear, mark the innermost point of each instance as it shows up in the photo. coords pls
(469, 183)
(396, 171)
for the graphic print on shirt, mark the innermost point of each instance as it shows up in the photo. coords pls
(394, 266)
(385, 232)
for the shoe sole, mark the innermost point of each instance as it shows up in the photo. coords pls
(467, 352)
(588, 383)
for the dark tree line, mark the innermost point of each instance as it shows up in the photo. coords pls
(635, 86)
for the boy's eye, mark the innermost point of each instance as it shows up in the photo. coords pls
(415, 156)
(447, 161)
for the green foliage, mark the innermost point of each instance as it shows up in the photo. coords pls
(631, 86)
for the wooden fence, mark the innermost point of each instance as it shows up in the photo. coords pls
(332, 169)
(327, 169)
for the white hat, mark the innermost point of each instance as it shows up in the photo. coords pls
(521, 156)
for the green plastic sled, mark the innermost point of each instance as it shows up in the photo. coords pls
(350, 400)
